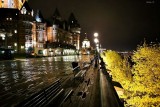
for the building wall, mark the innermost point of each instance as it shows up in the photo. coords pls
(11, 3)
(32, 36)
(25, 33)
(40, 38)
(49, 34)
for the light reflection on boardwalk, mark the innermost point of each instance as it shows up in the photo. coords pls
(22, 77)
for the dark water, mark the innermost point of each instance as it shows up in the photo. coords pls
(21, 78)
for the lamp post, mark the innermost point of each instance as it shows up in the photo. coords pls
(97, 46)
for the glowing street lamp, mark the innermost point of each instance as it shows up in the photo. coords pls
(96, 35)
(96, 40)
(97, 45)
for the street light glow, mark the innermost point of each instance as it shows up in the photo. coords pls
(96, 34)
(96, 40)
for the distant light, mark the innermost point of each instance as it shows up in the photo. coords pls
(38, 19)
(2, 35)
(15, 31)
(96, 34)
(12, 51)
(150, 2)
(2, 52)
(96, 40)
(9, 47)
(22, 47)
(15, 44)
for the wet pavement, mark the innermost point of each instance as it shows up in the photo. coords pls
(21, 78)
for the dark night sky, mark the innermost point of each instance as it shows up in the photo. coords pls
(121, 24)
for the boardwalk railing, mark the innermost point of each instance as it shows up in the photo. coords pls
(109, 96)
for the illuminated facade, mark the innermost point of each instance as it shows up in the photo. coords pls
(64, 37)
(29, 33)
(17, 4)
(39, 35)
(86, 47)
(86, 43)
(25, 24)
(17, 28)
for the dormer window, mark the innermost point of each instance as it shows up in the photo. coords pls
(23, 11)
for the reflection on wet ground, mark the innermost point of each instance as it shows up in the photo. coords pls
(22, 77)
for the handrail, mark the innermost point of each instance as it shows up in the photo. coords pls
(109, 96)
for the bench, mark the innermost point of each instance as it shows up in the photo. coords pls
(86, 65)
(79, 73)
(76, 69)
(48, 96)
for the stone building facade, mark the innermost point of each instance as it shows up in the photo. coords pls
(27, 32)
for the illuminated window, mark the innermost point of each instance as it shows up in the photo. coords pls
(15, 31)
(15, 44)
(9, 47)
(22, 47)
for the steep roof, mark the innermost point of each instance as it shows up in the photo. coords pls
(26, 5)
(38, 16)
(56, 15)
(73, 21)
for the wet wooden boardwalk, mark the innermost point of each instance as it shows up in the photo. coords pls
(86, 92)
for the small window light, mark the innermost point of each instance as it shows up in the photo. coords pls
(9, 47)
(15, 31)
(15, 44)
(22, 47)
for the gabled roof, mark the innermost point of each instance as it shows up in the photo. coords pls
(73, 21)
(26, 5)
(56, 13)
